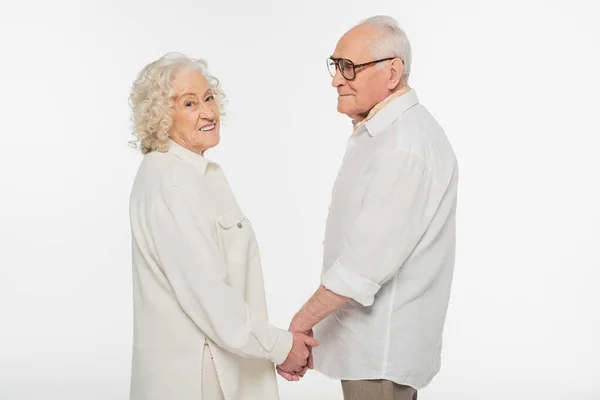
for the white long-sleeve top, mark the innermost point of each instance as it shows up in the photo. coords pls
(197, 278)
(389, 246)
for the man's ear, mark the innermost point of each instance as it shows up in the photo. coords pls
(396, 72)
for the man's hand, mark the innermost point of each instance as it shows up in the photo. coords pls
(298, 358)
(319, 306)
(310, 363)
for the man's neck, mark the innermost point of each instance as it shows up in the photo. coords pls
(361, 118)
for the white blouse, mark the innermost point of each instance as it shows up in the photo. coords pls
(197, 279)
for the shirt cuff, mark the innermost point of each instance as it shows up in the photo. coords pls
(346, 283)
(283, 345)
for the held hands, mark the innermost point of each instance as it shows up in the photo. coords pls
(319, 306)
(299, 359)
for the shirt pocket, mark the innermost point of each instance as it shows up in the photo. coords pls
(235, 234)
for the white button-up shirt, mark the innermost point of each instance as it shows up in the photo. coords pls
(197, 279)
(389, 246)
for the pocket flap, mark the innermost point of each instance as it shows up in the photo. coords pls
(230, 217)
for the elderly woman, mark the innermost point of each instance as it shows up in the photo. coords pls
(200, 318)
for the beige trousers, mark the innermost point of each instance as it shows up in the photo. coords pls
(378, 389)
(211, 390)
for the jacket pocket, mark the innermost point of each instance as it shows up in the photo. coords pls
(235, 234)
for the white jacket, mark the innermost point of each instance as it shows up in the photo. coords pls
(197, 277)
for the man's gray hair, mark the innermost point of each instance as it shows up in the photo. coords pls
(392, 42)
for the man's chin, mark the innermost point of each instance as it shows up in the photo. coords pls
(346, 110)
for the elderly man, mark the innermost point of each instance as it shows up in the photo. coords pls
(390, 236)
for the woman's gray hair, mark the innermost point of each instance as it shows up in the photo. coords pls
(392, 42)
(152, 97)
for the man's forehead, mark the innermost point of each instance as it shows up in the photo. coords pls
(355, 43)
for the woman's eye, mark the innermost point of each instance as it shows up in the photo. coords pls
(189, 103)
(210, 98)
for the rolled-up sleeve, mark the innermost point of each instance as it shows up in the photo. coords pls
(391, 222)
(182, 230)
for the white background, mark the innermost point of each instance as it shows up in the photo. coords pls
(514, 83)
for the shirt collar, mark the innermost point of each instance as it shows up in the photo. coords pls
(199, 162)
(388, 111)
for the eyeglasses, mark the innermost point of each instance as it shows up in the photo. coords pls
(348, 68)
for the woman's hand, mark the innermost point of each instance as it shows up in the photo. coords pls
(299, 358)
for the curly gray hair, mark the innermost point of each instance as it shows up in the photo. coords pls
(151, 99)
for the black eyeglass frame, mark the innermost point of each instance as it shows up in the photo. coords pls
(354, 66)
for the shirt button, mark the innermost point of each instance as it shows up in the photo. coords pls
(239, 225)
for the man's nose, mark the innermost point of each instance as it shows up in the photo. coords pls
(338, 79)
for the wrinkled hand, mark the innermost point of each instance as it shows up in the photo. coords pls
(300, 357)
(295, 376)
